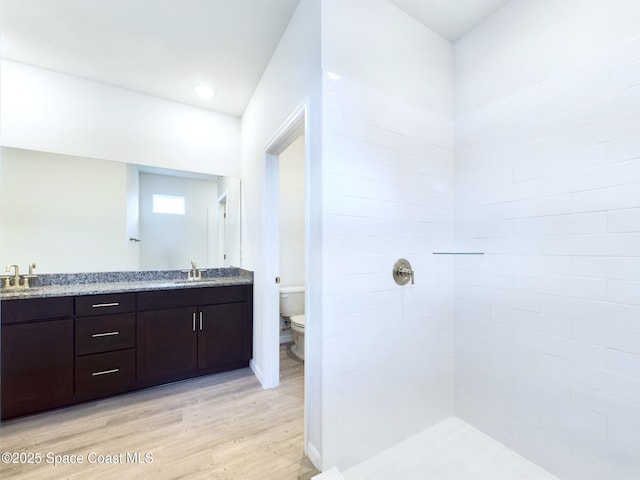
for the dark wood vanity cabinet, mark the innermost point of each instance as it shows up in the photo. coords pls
(64, 350)
(36, 355)
(105, 344)
(222, 336)
(168, 343)
(214, 335)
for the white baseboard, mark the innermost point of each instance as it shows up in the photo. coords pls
(314, 455)
(256, 371)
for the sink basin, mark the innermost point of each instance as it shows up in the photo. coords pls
(184, 281)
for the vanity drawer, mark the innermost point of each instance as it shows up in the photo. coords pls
(105, 372)
(105, 304)
(105, 333)
(28, 309)
(189, 297)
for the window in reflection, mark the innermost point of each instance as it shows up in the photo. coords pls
(169, 204)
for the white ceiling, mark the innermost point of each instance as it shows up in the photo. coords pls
(166, 47)
(159, 47)
(450, 18)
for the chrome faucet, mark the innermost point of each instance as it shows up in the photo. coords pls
(16, 280)
(194, 273)
(16, 276)
(27, 278)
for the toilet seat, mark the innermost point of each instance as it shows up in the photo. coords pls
(298, 321)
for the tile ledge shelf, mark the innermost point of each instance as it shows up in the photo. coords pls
(458, 253)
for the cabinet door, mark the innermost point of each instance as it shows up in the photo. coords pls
(222, 335)
(167, 343)
(37, 366)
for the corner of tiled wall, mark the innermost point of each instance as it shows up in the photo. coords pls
(547, 322)
(388, 193)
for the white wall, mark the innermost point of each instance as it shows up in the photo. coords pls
(171, 241)
(374, 42)
(526, 41)
(547, 184)
(387, 193)
(52, 112)
(292, 76)
(292, 222)
(82, 218)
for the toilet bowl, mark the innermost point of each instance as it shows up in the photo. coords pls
(292, 308)
(297, 327)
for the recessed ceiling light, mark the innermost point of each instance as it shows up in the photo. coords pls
(204, 91)
(333, 76)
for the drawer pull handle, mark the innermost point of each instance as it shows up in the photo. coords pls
(106, 334)
(200, 321)
(101, 305)
(194, 321)
(105, 372)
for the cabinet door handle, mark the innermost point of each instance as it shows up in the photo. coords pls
(106, 334)
(105, 372)
(102, 305)
(200, 321)
(194, 321)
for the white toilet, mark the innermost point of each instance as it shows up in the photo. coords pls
(292, 308)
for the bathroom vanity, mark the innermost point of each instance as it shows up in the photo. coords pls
(65, 344)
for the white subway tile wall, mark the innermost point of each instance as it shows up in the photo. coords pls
(388, 193)
(547, 323)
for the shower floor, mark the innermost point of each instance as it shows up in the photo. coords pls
(450, 450)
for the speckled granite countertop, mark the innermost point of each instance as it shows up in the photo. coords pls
(71, 284)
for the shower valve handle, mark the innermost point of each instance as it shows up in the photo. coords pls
(406, 272)
(402, 272)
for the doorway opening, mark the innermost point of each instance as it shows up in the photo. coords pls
(278, 211)
(291, 220)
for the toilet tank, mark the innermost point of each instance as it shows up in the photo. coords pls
(291, 301)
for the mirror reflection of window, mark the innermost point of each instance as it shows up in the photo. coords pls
(169, 204)
(172, 235)
(83, 222)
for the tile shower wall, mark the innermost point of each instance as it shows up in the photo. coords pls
(387, 349)
(547, 346)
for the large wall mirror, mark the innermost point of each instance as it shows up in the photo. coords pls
(76, 214)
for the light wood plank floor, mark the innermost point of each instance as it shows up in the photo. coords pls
(221, 427)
